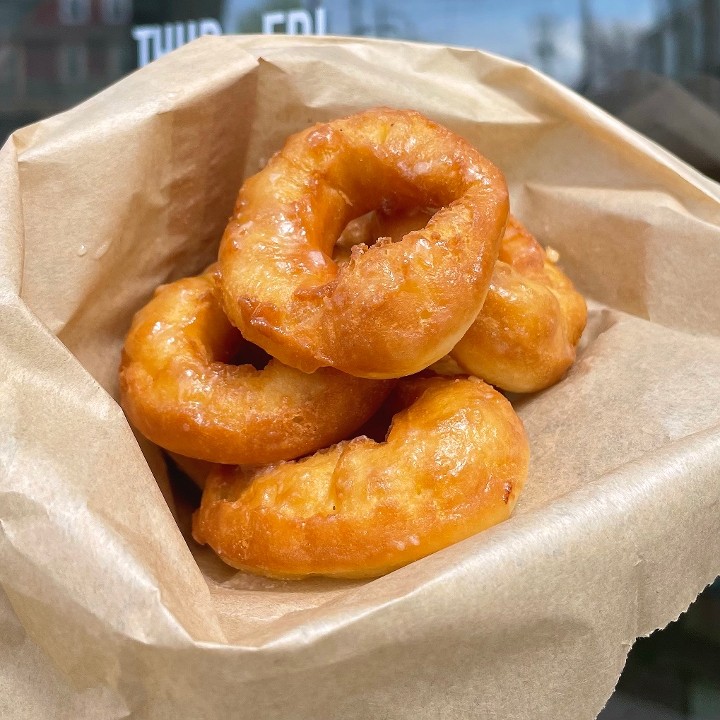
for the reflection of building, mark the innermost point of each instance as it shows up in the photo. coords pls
(376, 18)
(607, 52)
(684, 41)
(662, 80)
(56, 53)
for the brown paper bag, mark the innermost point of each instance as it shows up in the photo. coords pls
(109, 610)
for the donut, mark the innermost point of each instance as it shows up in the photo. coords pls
(393, 309)
(453, 463)
(525, 336)
(181, 388)
(524, 339)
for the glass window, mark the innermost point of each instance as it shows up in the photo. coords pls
(8, 68)
(116, 12)
(74, 12)
(73, 64)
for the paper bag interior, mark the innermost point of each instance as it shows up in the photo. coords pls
(617, 530)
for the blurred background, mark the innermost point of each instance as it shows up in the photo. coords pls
(655, 64)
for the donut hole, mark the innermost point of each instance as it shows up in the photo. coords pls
(388, 226)
(402, 397)
(246, 353)
(359, 230)
(378, 426)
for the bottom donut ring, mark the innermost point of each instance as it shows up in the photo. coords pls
(453, 463)
(181, 386)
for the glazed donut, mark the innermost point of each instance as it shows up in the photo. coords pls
(178, 388)
(393, 309)
(524, 338)
(454, 461)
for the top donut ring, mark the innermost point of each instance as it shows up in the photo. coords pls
(395, 308)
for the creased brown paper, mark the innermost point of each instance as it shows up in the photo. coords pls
(108, 611)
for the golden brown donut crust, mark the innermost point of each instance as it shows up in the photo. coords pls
(524, 339)
(178, 388)
(454, 461)
(525, 336)
(393, 309)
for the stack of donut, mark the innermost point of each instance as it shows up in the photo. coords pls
(374, 260)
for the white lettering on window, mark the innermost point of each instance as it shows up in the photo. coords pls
(154, 41)
(210, 26)
(271, 20)
(320, 21)
(295, 22)
(299, 22)
(142, 34)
